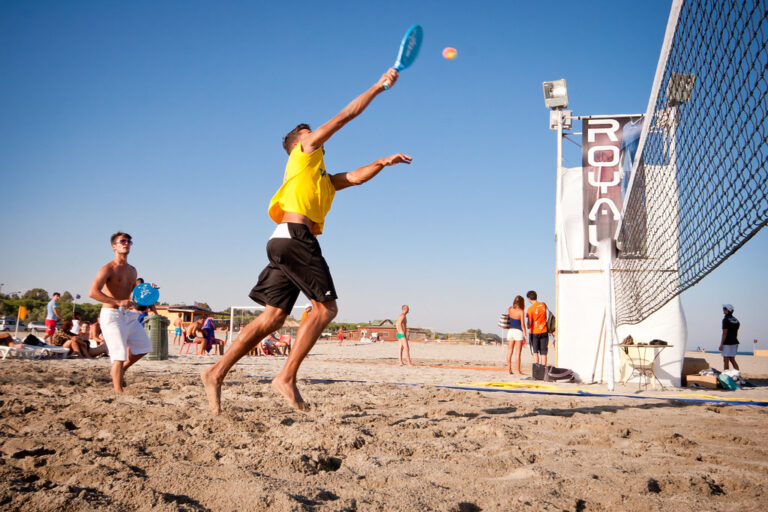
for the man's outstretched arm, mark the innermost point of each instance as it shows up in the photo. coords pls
(316, 138)
(365, 173)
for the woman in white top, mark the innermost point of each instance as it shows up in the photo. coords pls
(516, 334)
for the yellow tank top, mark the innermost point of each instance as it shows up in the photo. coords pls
(306, 189)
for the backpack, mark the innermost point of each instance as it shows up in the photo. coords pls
(727, 382)
(552, 374)
(538, 371)
(559, 375)
(551, 322)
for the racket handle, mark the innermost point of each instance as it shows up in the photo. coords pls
(398, 67)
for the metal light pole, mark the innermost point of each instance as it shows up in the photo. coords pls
(556, 99)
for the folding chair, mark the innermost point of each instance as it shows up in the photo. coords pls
(286, 339)
(640, 361)
(185, 343)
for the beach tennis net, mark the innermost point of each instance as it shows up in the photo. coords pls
(699, 185)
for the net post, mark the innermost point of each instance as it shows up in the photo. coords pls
(230, 334)
(605, 253)
(669, 36)
(558, 214)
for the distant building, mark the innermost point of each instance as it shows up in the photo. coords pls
(188, 313)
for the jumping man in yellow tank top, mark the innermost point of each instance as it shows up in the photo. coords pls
(296, 263)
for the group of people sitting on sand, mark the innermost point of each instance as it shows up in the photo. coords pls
(80, 337)
(201, 332)
(273, 345)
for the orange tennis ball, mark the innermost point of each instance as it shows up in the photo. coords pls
(449, 53)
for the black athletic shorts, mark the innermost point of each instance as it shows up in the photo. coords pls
(539, 343)
(296, 264)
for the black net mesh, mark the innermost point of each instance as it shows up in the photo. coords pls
(700, 190)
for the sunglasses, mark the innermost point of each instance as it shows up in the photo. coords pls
(125, 242)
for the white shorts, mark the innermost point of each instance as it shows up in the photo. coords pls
(515, 335)
(730, 350)
(121, 330)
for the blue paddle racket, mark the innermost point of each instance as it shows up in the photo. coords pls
(409, 49)
(145, 294)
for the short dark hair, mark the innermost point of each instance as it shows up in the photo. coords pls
(55, 294)
(292, 137)
(532, 295)
(117, 235)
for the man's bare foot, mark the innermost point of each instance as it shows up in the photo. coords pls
(291, 393)
(212, 390)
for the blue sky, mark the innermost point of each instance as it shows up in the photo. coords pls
(164, 119)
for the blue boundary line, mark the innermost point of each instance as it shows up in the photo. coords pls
(540, 392)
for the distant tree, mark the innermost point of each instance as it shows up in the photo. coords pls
(67, 297)
(36, 294)
(347, 326)
(202, 305)
(36, 315)
(90, 312)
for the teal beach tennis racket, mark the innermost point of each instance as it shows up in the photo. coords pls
(409, 49)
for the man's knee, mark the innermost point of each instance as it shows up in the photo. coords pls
(326, 310)
(273, 318)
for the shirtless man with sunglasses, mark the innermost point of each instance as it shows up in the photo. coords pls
(119, 323)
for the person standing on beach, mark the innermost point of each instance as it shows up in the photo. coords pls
(516, 333)
(340, 335)
(51, 317)
(178, 330)
(537, 327)
(296, 263)
(402, 336)
(729, 343)
(305, 313)
(119, 322)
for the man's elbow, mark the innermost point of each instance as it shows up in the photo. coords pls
(353, 180)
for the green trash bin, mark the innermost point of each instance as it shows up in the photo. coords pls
(157, 329)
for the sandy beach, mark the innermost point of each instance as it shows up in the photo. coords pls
(380, 436)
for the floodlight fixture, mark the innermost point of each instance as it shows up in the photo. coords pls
(680, 88)
(555, 94)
